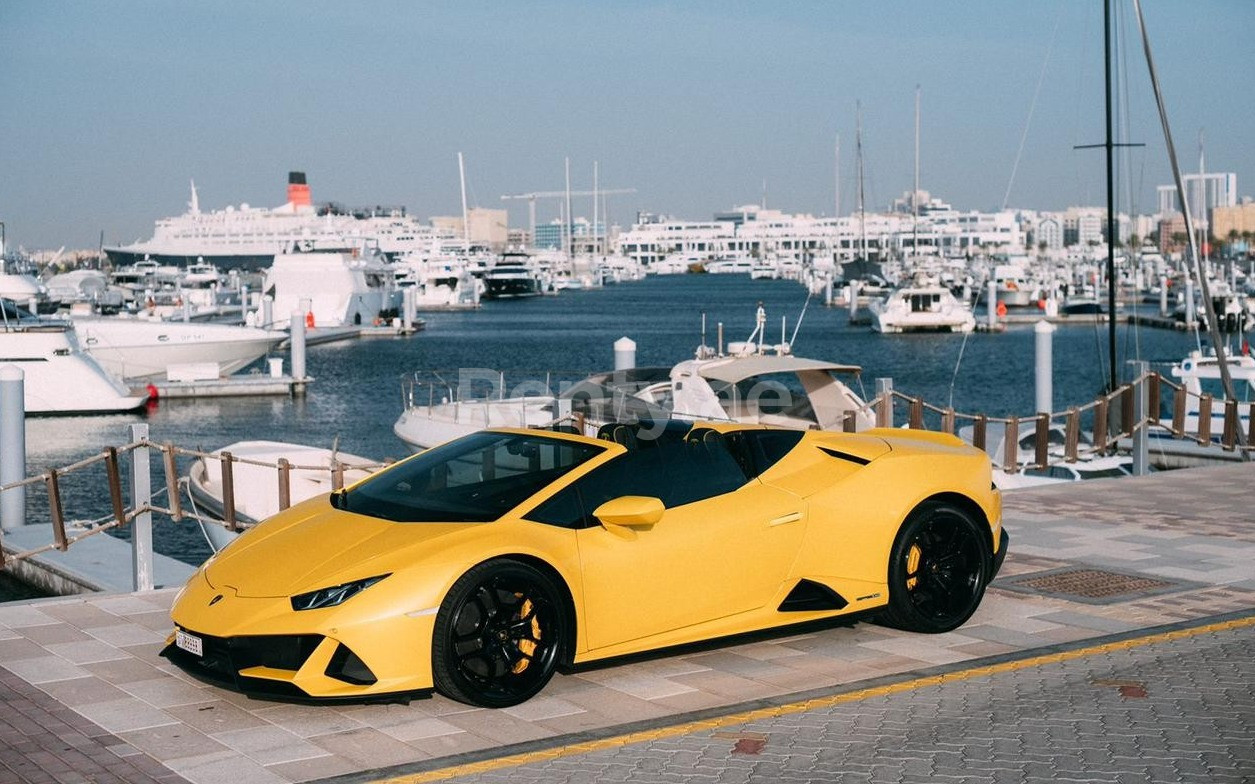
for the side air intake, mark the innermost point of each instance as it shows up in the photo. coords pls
(808, 596)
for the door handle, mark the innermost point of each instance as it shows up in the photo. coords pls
(791, 517)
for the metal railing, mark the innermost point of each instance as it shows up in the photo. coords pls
(1110, 418)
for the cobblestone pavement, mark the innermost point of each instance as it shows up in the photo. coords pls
(1173, 711)
(1182, 544)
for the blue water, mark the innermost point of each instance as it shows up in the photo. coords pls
(356, 396)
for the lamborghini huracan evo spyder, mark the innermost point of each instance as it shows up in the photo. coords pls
(480, 567)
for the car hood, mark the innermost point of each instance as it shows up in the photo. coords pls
(313, 545)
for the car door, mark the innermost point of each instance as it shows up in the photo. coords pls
(723, 546)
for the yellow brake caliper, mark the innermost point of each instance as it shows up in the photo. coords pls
(527, 647)
(912, 566)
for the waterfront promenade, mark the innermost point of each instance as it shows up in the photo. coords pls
(1115, 646)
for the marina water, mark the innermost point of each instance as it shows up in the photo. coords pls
(356, 395)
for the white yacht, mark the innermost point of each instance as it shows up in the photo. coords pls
(751, 383)
(132, 348)
(441, 282)
(249, 237)
(924, 307)
(731, 264)
(349, 287)
(514, 276)
(59, 377)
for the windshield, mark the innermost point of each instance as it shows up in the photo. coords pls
(474, 479)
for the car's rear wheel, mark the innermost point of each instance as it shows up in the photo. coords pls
(937, 569)
(498, 635)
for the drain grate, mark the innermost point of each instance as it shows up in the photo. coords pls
(1092, 586)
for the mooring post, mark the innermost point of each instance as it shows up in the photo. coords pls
(1141, 430)
(884, 392)
(267, 312)
(141, 499)
(1044, 332)
(624, 354)
(1163, 296)
(297, 330)
(991, 305)
(12, 445)
(407, 309)
(853, 303)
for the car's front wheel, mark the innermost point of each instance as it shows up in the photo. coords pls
(498, 635)
(937, 569)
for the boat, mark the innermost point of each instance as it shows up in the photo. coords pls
(513, 276)
(731, 264)
(1199, 374)
(352, 286)
(249, 237)
(1089, 464)
(59, 377)
(84, 290)
(441, 282)
(749, 383)
(144, 349)
(923, 307)
(255, 480)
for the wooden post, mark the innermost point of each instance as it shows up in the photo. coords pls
(978, 432)
(1230, 437)
(849, 422)
(1204, 419)
(1011, 446)
(1072, 435)
(337, 475)
(1152, 405)
(1250, 418)
(1178, 412)
(285, 484)
(228, 493)
(172, 483)
(917, 413)
(114, 474)
(947, 421)
(1100, 424)
(1043, 440)
(54, 510)
(1126, 410)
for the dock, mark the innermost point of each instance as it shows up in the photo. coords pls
(1111, 589)
(230, 386)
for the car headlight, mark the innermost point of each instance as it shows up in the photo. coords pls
(335, 595)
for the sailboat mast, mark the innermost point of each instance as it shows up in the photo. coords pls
(858, 147)
(836, 180)
(569, 223)
(466, 226)
(596, 237)
(915, 193)
(1111, 211)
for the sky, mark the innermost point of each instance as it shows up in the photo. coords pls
(109, 109)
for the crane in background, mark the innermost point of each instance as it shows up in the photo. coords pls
(532, 197)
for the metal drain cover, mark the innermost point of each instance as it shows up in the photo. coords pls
(1092, 586)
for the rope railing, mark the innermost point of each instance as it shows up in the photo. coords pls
(1107, 431)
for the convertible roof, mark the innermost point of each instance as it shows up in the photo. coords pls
(737, 369)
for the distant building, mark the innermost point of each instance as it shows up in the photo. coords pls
(549, 236)
(1239, 218)
(1049, 232)
(1083, 226)
(1206, 192)
(487, 227)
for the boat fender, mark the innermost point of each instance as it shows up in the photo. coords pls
(309, 319)
(153, 392)
(1002, 309)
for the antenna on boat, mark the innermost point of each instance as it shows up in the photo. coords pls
(1213, 330)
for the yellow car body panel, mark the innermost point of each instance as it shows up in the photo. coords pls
(827, 512)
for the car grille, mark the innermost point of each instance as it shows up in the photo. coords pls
(224, 657)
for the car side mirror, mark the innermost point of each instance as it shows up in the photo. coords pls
(620, 515)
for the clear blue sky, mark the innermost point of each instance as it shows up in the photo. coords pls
(107, 109)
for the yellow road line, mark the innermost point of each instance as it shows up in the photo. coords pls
(817, 703)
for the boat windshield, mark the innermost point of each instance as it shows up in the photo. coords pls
(474, 479)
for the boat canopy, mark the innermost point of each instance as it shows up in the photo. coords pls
(738, 369)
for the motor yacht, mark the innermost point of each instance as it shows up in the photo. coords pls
(59, 377)
(132, 348)
(923, 307)
(351, 286)
(514, 276)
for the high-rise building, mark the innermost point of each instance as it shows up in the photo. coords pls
(1205, 192)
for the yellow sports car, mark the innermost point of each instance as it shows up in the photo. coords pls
(480, 567)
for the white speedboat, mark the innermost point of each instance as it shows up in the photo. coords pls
(514, 276)
(132, 348)
(59, 377)
(255, 479)
(925, 307)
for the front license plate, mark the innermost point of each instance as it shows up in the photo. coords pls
(189, 642)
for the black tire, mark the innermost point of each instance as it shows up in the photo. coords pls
(938, 568)
(499, 635)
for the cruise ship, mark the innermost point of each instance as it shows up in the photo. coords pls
(247, 237)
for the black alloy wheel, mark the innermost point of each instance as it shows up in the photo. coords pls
(499, 635)
(937, 569)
